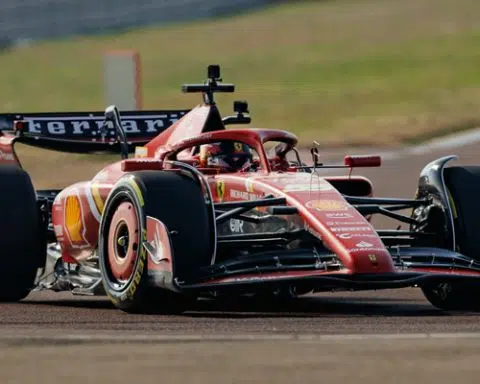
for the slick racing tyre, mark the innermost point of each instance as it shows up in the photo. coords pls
(463, 186)
(453, 296)
(176, 201)
(20, 234)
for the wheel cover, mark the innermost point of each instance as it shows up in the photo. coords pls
(123, 242)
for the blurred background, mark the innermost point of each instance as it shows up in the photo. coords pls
(342, 72)
(43, 19)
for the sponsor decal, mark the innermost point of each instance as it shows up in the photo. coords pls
(73, 219)
(364, 244)
(91, 125)
(376, 249)
(249, 185)
(364, 228)
(333, 223)
(130, 293)
(347, 235)
(314, 186)
(326, 205)
(236, 225)
(243, 195)
(339, 215)
(237, 147)
(220, 189)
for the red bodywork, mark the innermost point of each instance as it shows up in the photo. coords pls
(322, 210)
(7, 154)
(77, 209)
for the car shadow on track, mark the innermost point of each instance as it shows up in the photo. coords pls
(314, 307)
(308, 306)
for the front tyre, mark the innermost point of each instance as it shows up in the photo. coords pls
(463, 190)
(123, 260)
(175, 200)
(452, 296)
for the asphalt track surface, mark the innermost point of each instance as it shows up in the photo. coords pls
(394, 312)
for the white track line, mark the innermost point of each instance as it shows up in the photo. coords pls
(95, 338)
(442, 143)
(448, 142)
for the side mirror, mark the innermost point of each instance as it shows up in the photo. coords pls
(362, 161)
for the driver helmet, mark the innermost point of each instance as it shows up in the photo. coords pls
(228, 154)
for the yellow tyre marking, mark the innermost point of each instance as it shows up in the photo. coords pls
(452, 204)
(137, 189)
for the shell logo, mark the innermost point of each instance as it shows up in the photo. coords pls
(73, 218)
(327, 205)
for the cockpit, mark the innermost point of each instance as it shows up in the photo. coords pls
(234, 155)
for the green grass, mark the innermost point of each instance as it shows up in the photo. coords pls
(342, 72)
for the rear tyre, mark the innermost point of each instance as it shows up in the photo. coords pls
(177, 201)
(20, 234)
(463, 185)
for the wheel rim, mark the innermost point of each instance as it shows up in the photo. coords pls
(442, 291)
(123, 243)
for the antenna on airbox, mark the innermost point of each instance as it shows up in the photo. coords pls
(210, 86)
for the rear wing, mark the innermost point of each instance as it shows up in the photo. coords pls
(82, 132)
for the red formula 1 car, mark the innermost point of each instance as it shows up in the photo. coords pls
(205, 211)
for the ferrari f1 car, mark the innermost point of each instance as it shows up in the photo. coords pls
(202, 211)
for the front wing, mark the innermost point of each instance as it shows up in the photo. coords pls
(415, 267)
